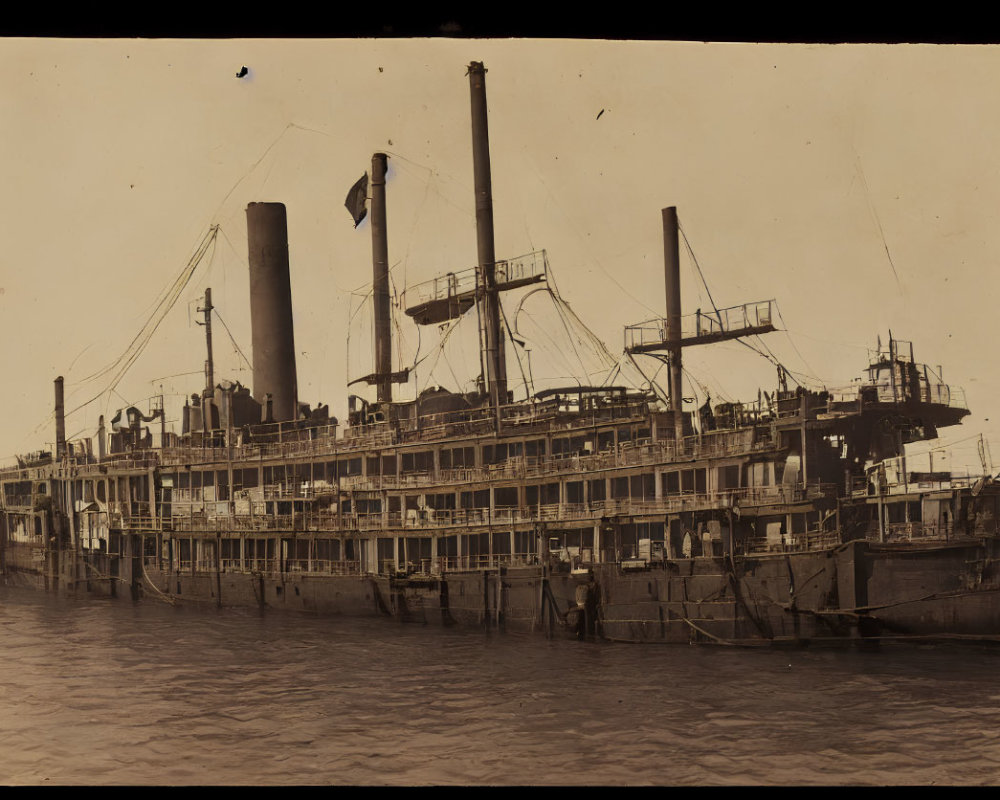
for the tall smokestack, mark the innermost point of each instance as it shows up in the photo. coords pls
(60, 420)
(271, 309)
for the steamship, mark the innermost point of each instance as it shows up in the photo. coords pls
(597, 511)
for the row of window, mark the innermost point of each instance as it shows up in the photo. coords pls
(636, 487)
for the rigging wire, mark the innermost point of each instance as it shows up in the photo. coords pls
(652, 386)
(792, 342)
(231, 339)
(510, 335)
(149, 328)
(770, 356)
(438, 352)
(165, 303)
(572, 222)
(694, 259)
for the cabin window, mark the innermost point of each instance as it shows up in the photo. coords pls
(498, 453)
(415, 551)
(440, 501)
(325, 550)
(531, 495)
(606, 440)
(505, 497)
(629, 541)
(524, 543)
(598, 490)
(476, 544)
(729, 477)
(671, 483)
(687, 481)
(619, 488)
(574, 492)
(458, 458)
(248, 477)
(371, 466)
(386, 551)
(624, 435)
(369, 505)
(422, 461)
(501, 543)
(349, 466)
(222, 484)
(394, 502)
(480, 499)
(643, 487)
(550, 494)
(534, 448)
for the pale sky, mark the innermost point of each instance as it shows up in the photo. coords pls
(857, 185)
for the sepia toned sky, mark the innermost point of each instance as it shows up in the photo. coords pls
(857, 185)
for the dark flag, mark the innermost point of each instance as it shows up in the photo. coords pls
(356, 199)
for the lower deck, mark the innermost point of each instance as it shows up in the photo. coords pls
(847, 593)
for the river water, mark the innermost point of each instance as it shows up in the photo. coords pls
(103, 692)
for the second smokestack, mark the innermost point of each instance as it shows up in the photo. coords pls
(271, 309)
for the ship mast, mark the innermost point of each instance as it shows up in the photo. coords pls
(380, 285)
(209, 363)
(383, 377)
(496, 363)
(672, 281)
(669, 334)
(452, 295)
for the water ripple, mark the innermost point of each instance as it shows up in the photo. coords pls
(105, 693)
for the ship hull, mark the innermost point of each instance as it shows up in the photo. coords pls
(856, 592)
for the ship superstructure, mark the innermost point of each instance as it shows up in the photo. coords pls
(600, 510)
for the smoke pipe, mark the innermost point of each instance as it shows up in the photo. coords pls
(271, 309)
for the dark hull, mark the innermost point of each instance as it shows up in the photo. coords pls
(856, 592)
